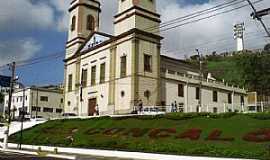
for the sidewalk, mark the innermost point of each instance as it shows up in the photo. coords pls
(16, 127)
(117, 154)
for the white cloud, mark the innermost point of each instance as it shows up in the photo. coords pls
(184, 40)
(17, 50)
(180, 41)
(22, 14)
(61, 6)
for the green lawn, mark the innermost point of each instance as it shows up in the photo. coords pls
(94, 133)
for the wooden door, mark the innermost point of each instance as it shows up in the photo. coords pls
(92, 106)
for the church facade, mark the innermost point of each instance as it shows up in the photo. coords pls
(111, 74)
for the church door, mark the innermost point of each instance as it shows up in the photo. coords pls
(92, 106)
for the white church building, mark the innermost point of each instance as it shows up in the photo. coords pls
(111, 74)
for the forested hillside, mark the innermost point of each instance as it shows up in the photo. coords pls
(250, 70)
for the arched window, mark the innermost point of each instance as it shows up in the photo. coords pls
(73, 23)
(90, 22)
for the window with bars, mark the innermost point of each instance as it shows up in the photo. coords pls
(90, 23)
(70, 83)
(197, 93)
(49, 110)
(180, 90)
(123, 69)
(84, 77)
(73, 23)
(215, 96)
(230, 98)
(93, 75)
(44, 98)
(147, 63)
(102, 72)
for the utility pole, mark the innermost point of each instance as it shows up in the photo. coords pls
(12, 81)
(201, 78)
(37, 103)
(259, 15)
(22, 118)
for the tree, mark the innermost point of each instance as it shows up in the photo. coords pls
(267, 47)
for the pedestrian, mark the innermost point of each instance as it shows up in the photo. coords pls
(175, 106)
(97, 110)
(140, 106)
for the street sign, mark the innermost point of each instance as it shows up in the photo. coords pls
(5, 81)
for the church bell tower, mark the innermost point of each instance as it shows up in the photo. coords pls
(139, 14)
(84, 20)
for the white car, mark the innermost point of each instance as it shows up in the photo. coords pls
(39, 118)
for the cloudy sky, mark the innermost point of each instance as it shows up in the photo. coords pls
(34, 28)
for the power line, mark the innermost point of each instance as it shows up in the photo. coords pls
(223, 38)
(36, 60)
(211, 16)
(196, 14)
(198, 46)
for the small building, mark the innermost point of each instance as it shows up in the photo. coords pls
(180, 86)
(4, 89)
(46, 101)
(258, 103)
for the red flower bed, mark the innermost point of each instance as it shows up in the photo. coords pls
(192, 134)
(94, 131)
(262, 135)
(136, 132)
(215, 136)
(112, 131)
(161, 133)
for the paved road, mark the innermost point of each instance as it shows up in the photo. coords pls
(17, 156)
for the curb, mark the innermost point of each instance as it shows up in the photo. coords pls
(36, 154)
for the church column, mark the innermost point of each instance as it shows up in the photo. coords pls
(158, 100)
(134, 72)
(112, 78)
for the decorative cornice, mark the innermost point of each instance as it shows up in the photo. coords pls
(85, 5)
(138, 14)
(132, 31)
(137, 8)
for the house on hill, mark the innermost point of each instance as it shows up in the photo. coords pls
(113, 74)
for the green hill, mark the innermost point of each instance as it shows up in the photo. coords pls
(228, 69)
(225, 135)
(248, 69)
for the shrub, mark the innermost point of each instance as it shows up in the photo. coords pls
(223, 115)
(260, 116)
(184, 116)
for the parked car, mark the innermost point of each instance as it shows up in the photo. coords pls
(69, 115)
(39, 118)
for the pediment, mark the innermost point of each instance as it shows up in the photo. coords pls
(96, 39)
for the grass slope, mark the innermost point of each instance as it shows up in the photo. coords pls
(59, 133)
(227, 69)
